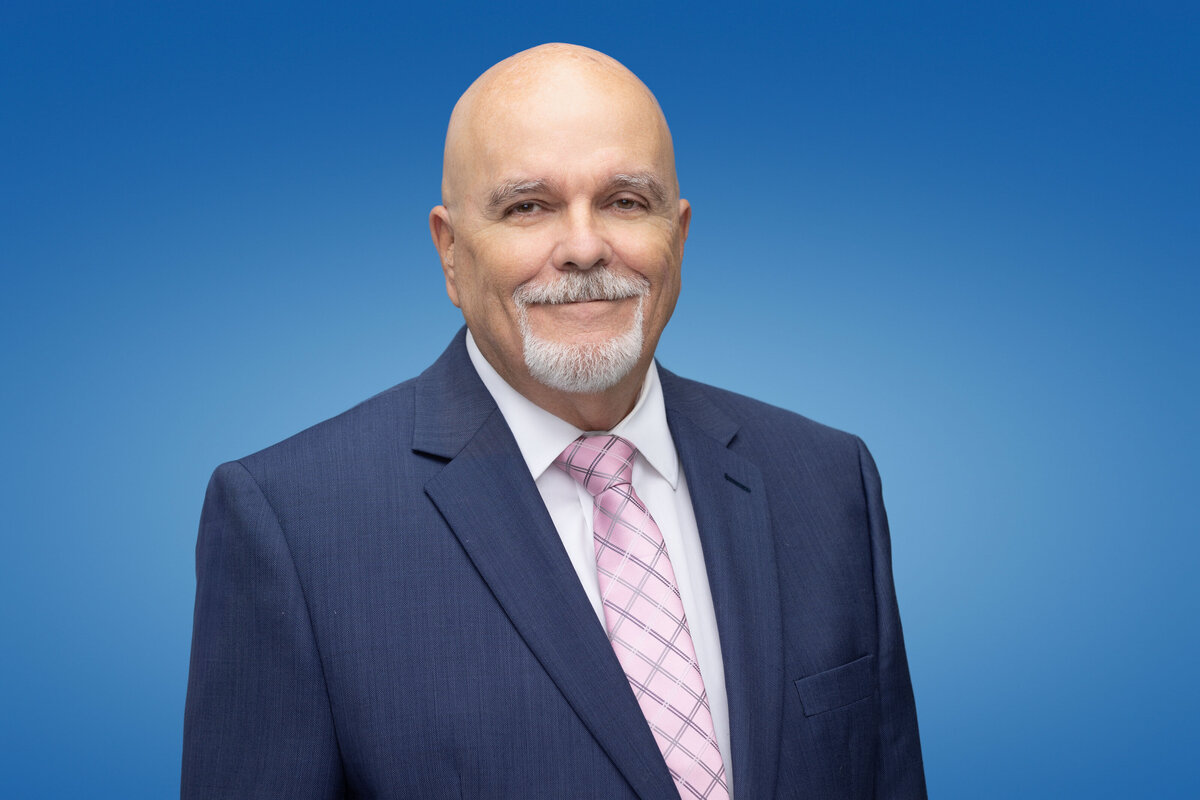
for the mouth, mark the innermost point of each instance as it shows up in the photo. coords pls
(582, 301)
(580, 318)
(585, 307)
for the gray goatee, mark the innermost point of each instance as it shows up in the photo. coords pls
(582, 368)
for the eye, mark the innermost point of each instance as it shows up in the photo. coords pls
(627, 204)
(525, 209)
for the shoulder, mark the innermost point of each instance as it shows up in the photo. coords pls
(796, 456)
(758, 425)
(391, 442)
(373, 431)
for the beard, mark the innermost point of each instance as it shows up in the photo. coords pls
(582, 368)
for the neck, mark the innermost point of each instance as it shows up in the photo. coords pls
(589, 412)
(599, 411)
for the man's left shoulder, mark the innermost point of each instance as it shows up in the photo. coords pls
(757, 424)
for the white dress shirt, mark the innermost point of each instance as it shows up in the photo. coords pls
(658, 481)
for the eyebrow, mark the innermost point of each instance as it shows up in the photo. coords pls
(643, 182)
(508, 191)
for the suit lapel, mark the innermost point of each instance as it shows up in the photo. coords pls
(509, 537)
(729, 501)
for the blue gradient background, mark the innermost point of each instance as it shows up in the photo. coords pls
(966, 232)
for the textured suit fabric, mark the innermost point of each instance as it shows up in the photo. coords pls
(384, 609)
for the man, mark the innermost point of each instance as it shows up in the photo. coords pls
(547, 567)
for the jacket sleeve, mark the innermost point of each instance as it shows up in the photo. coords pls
(900, 772)
(257, 722)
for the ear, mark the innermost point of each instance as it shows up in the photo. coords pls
(443, 239)
(685, 219)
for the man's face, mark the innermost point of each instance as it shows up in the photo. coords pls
(564, 193)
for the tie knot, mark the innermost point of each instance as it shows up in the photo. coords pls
(598, 462)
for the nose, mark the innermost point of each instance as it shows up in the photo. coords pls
(582, 244)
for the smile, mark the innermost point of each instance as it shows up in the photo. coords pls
(584, 308)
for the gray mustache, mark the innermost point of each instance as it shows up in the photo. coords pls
(581, 287)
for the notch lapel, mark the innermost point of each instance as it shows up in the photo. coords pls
(729, 500)
(509, 537)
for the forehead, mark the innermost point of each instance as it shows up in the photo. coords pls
(567, 127)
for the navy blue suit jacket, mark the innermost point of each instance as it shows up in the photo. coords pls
(385, 610)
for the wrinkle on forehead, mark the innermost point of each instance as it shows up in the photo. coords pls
(529, 77)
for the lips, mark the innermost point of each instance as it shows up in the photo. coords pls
(584, 304)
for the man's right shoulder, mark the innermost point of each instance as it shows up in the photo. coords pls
(430, 413)
(374, 428)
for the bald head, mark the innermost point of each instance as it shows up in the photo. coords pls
(542, 88)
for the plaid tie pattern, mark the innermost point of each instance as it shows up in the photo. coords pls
(644, 616)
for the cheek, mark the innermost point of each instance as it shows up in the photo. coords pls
(503, 263)
(650, 251)
(658, 265)
(656, 259)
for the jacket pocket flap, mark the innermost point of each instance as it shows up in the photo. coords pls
(837, 687)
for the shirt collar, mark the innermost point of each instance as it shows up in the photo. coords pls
(541, 436)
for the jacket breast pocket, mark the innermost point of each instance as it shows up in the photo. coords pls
(837, 687)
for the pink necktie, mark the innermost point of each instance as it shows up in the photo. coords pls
(644, 616)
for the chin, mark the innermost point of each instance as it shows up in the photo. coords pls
(584, 367)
